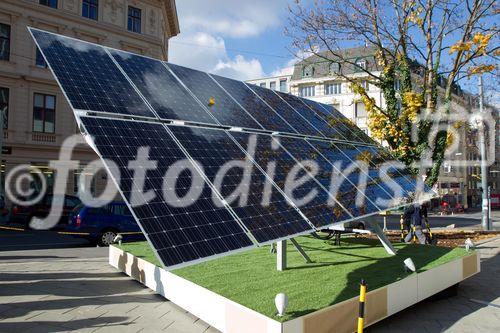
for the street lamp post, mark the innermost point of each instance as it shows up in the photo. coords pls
(484, 170)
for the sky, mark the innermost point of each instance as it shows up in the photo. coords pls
(238, 39)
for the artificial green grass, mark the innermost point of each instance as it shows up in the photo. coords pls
(251, 279)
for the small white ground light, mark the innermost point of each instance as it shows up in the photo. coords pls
(409, 265)
(281, 302)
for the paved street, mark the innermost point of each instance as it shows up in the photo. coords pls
(76, 290)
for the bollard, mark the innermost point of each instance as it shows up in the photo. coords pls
(414, 228)
(362, 297)
(401, 224)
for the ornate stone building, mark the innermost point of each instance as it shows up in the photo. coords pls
(37, 116)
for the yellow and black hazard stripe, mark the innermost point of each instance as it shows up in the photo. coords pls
(362, 298)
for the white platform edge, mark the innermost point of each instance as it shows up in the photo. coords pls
(231, 317)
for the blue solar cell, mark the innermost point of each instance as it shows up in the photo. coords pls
(224, 108)
(254, 105)
(163, 91)
(312, 117)
(88, 76)
(180, 233)
(280, 155)
(338, 123)
(299, 123)
(359, 135)
(213, 149)
(346, 155)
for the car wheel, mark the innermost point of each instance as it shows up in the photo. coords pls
(107, 237)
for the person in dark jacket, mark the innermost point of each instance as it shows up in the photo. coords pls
(414, 220)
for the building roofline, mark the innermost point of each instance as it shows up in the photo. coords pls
(173, 19)
(270, 77)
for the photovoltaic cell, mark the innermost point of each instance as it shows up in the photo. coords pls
(163, 91)
(254, 105)
(269, 151)
(312, 117)
(224, 109)
(180, 235)
(213, 149)
(360, 136)
(338, 123)
(299, 123)
(346, 193)
(349, 160)
(88, 76)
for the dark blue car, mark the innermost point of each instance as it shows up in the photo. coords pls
(103, 224)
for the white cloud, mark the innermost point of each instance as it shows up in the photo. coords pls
(206, 24)
(236, 19)
(208, 53)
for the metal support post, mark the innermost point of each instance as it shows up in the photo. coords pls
(381, 236)
(301, 251)
(281, 255)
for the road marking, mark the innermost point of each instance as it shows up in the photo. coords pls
(12, 228)
(485, 303)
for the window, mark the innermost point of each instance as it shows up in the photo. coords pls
(44, 113)
(134, 19)
(360, 65)
(397, 85)
(4, 105)
(333, 88)
(334, 68)
(90, 9)
(308, 71)
(272, 85)
(262, 85)
(49, 3)
(4, 42)
(365, 85)
(306, 91)
(283, 86)
(39, 60)
(360, 110)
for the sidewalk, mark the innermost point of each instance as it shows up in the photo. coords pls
(68, 290)
(476, 308)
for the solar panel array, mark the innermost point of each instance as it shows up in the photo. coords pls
(231, 146)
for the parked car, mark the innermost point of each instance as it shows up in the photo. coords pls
(101, 225)
(23, 214)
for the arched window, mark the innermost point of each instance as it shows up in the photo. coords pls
(308, 71)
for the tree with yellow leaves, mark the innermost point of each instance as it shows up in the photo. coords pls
(426, 46)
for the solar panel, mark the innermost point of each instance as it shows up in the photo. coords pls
(214, 148)
(347, 159)
(181, 233)
(88, 76)
(299, 123)
(224, 108)
(240, 176)
(338, 123)
(288, 153)
(359, 135)
(269, 119)
(162, 90)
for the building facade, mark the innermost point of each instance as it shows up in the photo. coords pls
(279, 83)
(37, 118)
